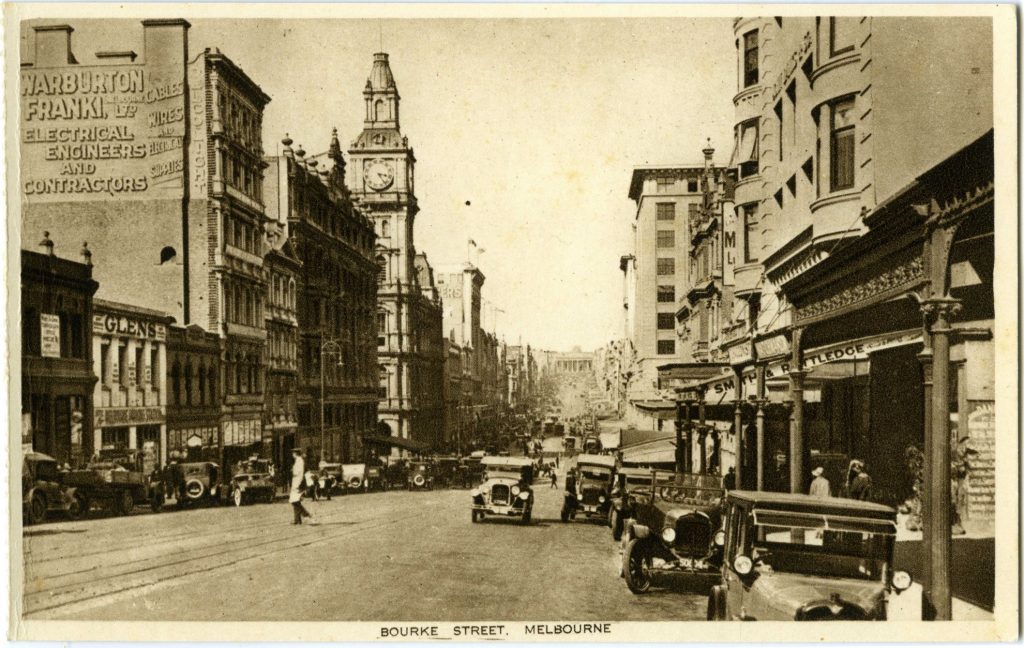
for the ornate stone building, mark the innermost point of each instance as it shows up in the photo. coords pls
(335, 300)
(280, 410)
(408, 310)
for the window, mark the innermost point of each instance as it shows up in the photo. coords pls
(780, 117)
(30, 332)
(691, 186)
(667, 294)
(105, 362)
(385, 228)
(748, 147)
(140, 368)
(666, 239)
(666, 347)
(122, 364)
(176, 383)
(666, 267)
(842, 149)
(841, 35)
(72, 343)
(693, 211)
(666, 321)
(749, 59)
(750, 242)
(666, 211)
(154, 369)
(664, 184)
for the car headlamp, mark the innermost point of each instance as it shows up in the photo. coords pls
(524, 495)
(601, 499)
(720, 538)
(515, 490)
(901, 580)
(668, 534)
(743, 565)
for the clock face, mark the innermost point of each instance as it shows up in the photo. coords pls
(380, 174)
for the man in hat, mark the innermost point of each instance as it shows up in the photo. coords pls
(819, 485)
(295, 495)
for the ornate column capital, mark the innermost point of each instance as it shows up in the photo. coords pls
(938, 311)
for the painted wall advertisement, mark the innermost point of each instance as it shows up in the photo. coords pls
(101, 132)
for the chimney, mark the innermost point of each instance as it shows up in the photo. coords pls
(165, 42)
(53, 46)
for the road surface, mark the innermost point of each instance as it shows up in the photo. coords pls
(395, 556)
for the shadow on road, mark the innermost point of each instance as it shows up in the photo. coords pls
(45, 532)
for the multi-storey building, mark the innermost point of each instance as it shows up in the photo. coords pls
(193, 414)
(159, 166)
(130, 397)
(335, 299)
(280, 408)
(57, 379)
(657, 272)
(830, 133)
(382, 178)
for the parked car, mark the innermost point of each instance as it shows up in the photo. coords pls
(801, 558)
(593, 490)
(506, 489)
(252, 482)
(199, 483)
(676, 528)
(420, 476)
(332, 479)
(43, 491)
(446, 471)
(355, 477)
(629, 483)
(375, 479)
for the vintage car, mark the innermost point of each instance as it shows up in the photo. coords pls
(676, 528)
(375, 479)
(420, 476)
(354, 476)
(332, 478)
(446, 472)
(628, 483)
(506, 490)
(593, 490)
(43, 492)
(801, 558)
(252, 482)
(199, 483)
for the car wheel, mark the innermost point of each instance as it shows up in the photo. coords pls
(238, 497)
(194, 489)
(156, 502)
(126, 503)
(36, 509)
(636, 566)
(476, 516)
(565, 514)
(616, 524)
(716, 604)
(527, 516)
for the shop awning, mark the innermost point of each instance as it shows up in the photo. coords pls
(651, 453)
(685, 373)
(610, 440)
(664, 410)
(396, 442)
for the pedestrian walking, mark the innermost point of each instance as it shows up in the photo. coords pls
(295, 494)
(322, 480)
(858, 481)
(554, 479)
(312, 485)
(820, 486)
(729, 481)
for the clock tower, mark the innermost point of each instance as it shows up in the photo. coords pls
(381, 173)
(381, 177)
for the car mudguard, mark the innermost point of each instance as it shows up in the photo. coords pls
(640, 531)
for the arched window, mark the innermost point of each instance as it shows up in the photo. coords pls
(379, 111)
(385, 228)
(382, 268)
(166, 254)
(240, 375)
(212, 384)
(188, 382)
(201, 371)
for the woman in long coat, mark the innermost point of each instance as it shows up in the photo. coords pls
(295, 494)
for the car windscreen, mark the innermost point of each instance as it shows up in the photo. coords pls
(46, 470)
(595, 472)
(493, 473)
(830, 545)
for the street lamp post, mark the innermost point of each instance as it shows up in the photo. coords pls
(327, 346)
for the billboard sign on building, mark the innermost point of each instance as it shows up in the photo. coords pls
(49, 335)
(101, 132)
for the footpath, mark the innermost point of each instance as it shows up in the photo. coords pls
(972, 577)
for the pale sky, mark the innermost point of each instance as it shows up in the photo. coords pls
(537, 122)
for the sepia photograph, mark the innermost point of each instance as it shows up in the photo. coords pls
(512, 323)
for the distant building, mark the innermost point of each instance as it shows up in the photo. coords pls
(280, 409)
(193, 413)
(574, 362)
(57, 379)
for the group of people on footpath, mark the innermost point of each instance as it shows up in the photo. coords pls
(857, 486)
